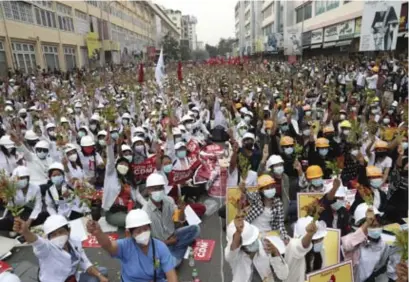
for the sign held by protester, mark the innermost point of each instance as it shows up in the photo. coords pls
(342, 272)
(203, 250)
(143, 170)
(304, 199)
(92, 242)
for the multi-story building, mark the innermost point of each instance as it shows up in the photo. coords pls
(176, 17)
(67, 34)
(239, 27)
(200, 45)
(164, 26)
(189, 30)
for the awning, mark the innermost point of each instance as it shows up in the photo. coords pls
(329, 44)
(306, 47)
(402, 34)
(315, 46)
(343, 43)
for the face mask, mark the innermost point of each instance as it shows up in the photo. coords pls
(345, 131)
(284, 127)
(247, 119)
(115, 136)
(129, 158)
(337, 205)
(167, 168)
(88, 150)
(354, 153)
(268, 131)
(253, 247)
(248, 146)
(374, 233)
(125, 122)
(77, 110)
(139, 148)
(92, 126)
(181, 154)
(404, 145)
(306, 132)
(318, 247)
(143, 238)
(51, 133)
(41, 155)
(270, 193)
(57, 180)
(317, 182)
(380, 154)
(102, 142)
(342, 117)
(323, 152)
(278, 170)
(386, 121)
(60, 241)
(158, 196)
(122, 169)
(308, 113)
(289, 151)
(22, 183)
(178, 139)
(81, 134)
(376, 183)
(73, 157)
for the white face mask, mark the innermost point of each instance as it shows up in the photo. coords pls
(308, 113)
(122, 169)
(41, 155)
(318, 247)
(73, 157)
(60, 241)
(93, 126)
(270, 193)
(51, 133)
(306, 132)
(102, 142)
(158, 196)
(143, 238)
(139, 148)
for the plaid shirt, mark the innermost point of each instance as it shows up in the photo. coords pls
(257, 208)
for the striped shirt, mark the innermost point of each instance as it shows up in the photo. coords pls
(162, 226)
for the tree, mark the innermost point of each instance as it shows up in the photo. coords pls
(170, 47)
(212, 50)
(225, 46)
(185, 52)
(200, 55)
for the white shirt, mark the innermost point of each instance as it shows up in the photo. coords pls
(66, 205)
(372, 81)
(241, 265)
(233, 179)
(360, 79)
(77, 172)
(295, 258)
(262, 222)
(32, 199)
(57, 264)
(384, 164)
(88, 164)
(8, 164)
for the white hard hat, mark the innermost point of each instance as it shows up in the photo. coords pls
(102, 133)
(302, 223)
(56, 165)
(42, 144)
(248, 113)
(248, 236)
(63, 119)
(87, 141)
(9, 277)
(243, 110)
(273, 160)
(136, 218)
(249, 135)
(53, 222)
(176, 131)
(360, 212)
(341, 192)
(50, 125)
(180, 145)
(139, 129)
(155, 179)
(69, 147)
(394, 103)
(126, 115)
(181, 127)
(125, 148)
(8, 108)
(95, 117)
(6, 141)
(21, 171)
(30, 135)
(186, 118)
(77, 105)
(22, 111)
(136, 139)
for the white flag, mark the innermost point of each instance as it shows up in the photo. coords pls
(160, 69)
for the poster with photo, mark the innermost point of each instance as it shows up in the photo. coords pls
(316, 36)
(380, 25)
(331, 33)
(292, 41)
(346, 30)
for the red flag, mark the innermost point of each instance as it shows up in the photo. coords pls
(180, 77)
(140, 78)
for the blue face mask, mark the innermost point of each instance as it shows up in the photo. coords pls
(317, 182)
(57, 180)
(115, 135)
(253, 247)
(81, 134)
(404, 145)
(323, 152)
(289, 150)
(284, 127)
(181, 154)
(376, 183)
(270, 193)
(337, 205)
(278, 170)
(167, 168)
(374, 233)
(318, 247)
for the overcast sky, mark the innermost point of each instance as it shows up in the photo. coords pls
(215, 18)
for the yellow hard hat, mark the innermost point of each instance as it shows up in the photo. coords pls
(314, 171)
(346, 124)
(379, 144)
(238, 105)
(375, 69)
(265, 180)
(322, 143)
(328, 129)
(375, 99)
(268, 124)
(286, 141)
(373, 171)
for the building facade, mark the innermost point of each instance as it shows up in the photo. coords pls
(67, 34)
(164, 26)
(189, 30)
(176, 17)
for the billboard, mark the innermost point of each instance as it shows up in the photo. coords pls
(331, 33)
(306, 38)
(274, 42)
(292, 41)
(380, 25)
(316, 36)
(346, 30)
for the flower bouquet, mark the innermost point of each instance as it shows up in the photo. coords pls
(314, 209)
(366, 194)
(334, 166)
(244, 166)
(402, 244)
(90, 197)
(8, 191)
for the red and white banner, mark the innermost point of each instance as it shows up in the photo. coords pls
(203, 249)
(193, 150)
(181, 176)
(4, 266)
(143, 170)
(91, 241)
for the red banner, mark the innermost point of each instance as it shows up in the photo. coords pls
(181, 176)
(203, 249)
(91, 241)
(193, 149)
(143, 170)
(4, 266)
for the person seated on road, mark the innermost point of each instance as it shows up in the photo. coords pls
(142, 257)
(59, 256)
(249, 258)
(161, 210)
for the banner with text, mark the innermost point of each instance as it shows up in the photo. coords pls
(292, 41)
(143, 170)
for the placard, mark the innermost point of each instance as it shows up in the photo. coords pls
(203, 249)
(332, 243)
(143, 170)
(4, 266)
(292, 41)
(233, 194)
(342, 272)
(91, 241)
(304, 199)
(331, 33)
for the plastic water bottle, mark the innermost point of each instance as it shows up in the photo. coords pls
(191, 258)
(195, 276)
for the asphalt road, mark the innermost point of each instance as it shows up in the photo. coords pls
(25, 263)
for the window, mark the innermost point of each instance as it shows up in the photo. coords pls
(18, 10)
(65, 17)
(320, 7)
(63, 9)
(45, 18)
(51, 57)
(304, 13)
(93, 3)
(81, 15)
(332, 4)
(24, 56)
(69, 55)
(308, 11)
(3, 62)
